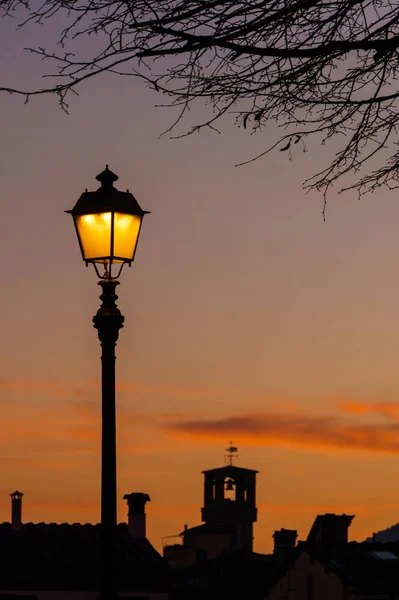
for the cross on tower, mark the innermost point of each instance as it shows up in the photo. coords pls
(231, 453)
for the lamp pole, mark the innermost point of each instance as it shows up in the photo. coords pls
(108, 224)
(108, 321)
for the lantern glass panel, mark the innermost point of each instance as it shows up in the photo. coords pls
(95, 235)
(126, 233)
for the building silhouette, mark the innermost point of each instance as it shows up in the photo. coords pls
(328, 567)
(212, 561)
(50, 561)
(228, 514)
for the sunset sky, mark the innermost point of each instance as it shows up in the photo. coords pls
(247, 317)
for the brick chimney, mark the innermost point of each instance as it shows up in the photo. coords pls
(16, 510)
(136, 515)
(284, 544)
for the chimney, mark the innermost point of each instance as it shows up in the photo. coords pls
(329, 532)
(16, 510)
(136, 515)
(284, 544)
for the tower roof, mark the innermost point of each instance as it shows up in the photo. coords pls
(230, 470)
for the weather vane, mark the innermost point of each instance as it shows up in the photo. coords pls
(231, 453)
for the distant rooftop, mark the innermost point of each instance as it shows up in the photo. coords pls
(383, 555)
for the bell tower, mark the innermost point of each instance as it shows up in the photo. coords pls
(230, 499)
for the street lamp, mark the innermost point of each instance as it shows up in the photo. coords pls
(108, 224)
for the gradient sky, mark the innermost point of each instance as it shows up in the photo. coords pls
(247, 318)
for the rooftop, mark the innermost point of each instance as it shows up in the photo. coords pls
(68, 555)
(366, 568)
(230, 470)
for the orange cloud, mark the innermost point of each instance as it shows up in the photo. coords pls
(73, 426)
(353, 407)
(62, 506)
(30, 386)
(313, 509)
(389, 410)
(293, 430)
(80, 390)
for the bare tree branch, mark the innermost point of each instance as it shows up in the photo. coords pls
(326, 70)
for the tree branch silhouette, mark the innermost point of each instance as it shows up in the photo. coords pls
(321, 70)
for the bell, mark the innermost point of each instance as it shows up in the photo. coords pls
(230, 485)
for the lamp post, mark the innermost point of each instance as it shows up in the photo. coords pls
(108, 224)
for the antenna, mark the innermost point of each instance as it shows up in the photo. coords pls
(231, 454)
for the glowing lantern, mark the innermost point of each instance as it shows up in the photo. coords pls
(108, 224)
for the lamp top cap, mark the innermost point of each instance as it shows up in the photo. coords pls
(107, 177)
(16, 495)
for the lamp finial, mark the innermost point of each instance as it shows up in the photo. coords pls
(107, 177)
